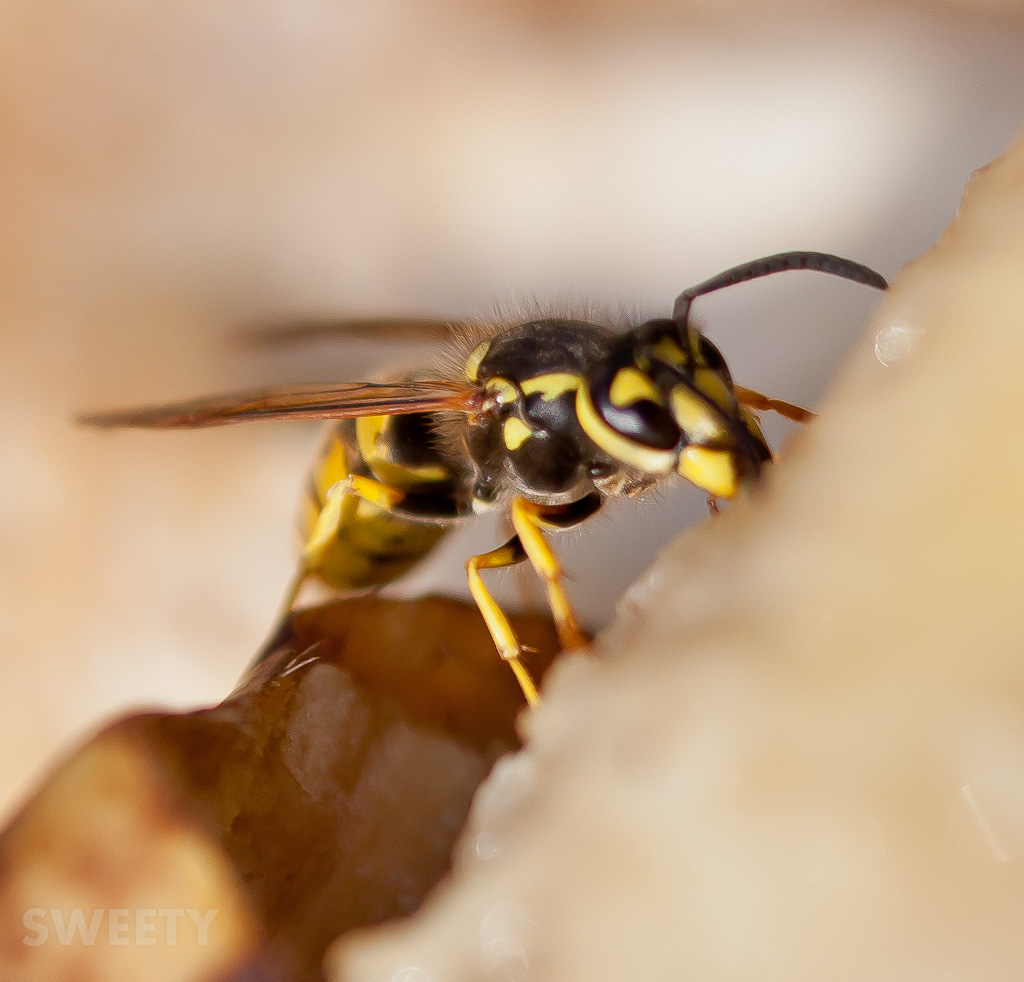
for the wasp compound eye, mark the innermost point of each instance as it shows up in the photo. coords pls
(624, 413)
(630, 403)
(711, 357)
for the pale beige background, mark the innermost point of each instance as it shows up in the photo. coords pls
(171, 171)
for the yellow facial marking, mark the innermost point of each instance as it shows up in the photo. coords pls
(713, 386)
(669, 353)
(551, 385)
(699, 421)
(631, 385)
(515, 433)
(646, 459)
(477, 355)
(501, 390)
(713, 471)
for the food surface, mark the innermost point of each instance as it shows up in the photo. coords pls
(799, 753)
(324, 794)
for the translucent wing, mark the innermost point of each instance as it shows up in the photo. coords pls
(404, 329)
(299, 402)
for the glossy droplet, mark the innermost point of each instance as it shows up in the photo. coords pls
(486, 846)
(895, 342)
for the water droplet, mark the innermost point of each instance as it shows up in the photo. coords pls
(895, 342)
(486, 846)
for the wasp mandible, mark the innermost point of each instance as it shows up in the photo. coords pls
(544, 419)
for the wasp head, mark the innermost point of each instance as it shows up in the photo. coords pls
(662, 401)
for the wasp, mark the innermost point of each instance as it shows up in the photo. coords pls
(545, 420)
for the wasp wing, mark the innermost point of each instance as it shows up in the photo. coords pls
(299, 402)
(404, 329)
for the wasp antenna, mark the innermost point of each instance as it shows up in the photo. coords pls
(821, 262)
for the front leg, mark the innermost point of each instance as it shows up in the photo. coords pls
(528, 519)
(498, 624)
(762, 403)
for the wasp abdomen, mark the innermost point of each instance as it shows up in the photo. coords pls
(373, 544)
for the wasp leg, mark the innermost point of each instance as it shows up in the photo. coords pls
(288, 603)
(528, 518)
(756, 400)
(511, 553)
(330, 520)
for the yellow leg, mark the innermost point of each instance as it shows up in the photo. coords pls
(528, 519)
(756, 400)
(288, 602)
(497, 623)
(330, 520)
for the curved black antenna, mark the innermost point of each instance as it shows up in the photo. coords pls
(821, 262)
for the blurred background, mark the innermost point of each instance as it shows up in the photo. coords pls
(175, 172)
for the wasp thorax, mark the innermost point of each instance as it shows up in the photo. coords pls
(530, 436)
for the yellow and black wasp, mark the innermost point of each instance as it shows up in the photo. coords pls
(544, 419)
